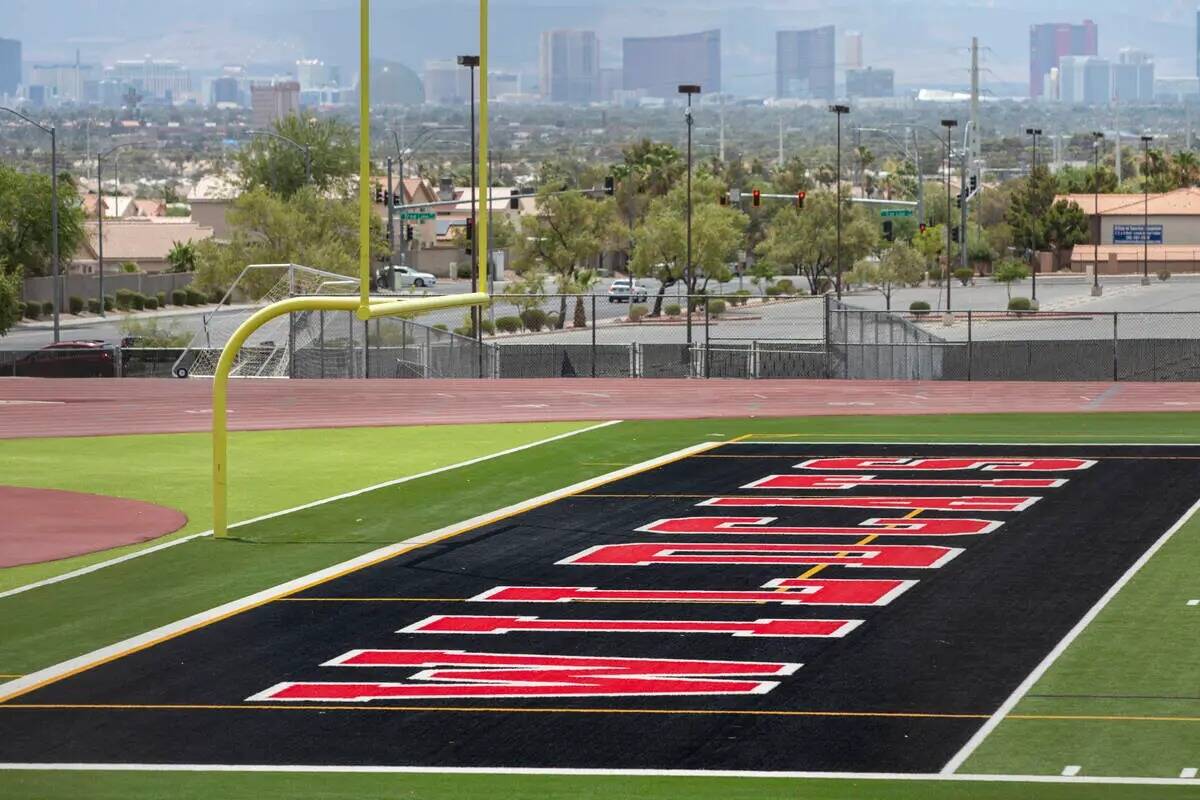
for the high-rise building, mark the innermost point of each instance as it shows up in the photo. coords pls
(157, 79)
(64, 82)
(569, 66)
(1198, 42)
(870, 82)
(1048, 43)
(225, 90)
(658, 65)
(1085, 80)
(10, 66)
(271, 102)
(314, 74)
(805, 63)
(853, 45)
(447, 83)
(1133, 76)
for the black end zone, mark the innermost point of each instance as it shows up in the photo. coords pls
(900, 688)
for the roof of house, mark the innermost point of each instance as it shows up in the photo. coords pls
(114, 207)
(150, 208)
(142, 240)
(1180, 202)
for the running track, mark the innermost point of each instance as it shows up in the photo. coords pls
(33, 407)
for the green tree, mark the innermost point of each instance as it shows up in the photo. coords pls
(280, 168)
(792, 177)
(10, 298)
(1031, 202)
(899, 265)
(26, 232)
(804, 241)
(182, 257)
(1187, 168)
(761, 274)
(1065, 226)
(1008, 272)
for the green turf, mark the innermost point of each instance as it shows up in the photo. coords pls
(1154, 653)
(270, 470)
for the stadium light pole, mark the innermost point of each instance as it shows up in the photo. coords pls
(689, 89)
(949, 125)
(1097, 139)
(471, 63)
(1035, 133)
(100, 212)
(1146, 140)
(55, 266)
(839, 111)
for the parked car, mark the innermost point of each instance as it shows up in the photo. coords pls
(78, 359)
(624, 290)
(404, 277)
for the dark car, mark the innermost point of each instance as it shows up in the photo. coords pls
(80, 359)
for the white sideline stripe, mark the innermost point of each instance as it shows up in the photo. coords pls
(1187, 772)
(1193, 602)
(668, 773)
(1052, 656)
(1071, 771)
(129, 556)
(1004, 443)
(15, 687)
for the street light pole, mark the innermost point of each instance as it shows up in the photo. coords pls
(688, 89)
(1146, 140)
(55, 266)
(1097, 138)
(1035, 133)
(949, 125)
(100, 212)
(839, 111)
(391, 209)
(471, 62)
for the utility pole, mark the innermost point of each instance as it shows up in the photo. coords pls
(839, 110)
(949, 125)
(688, 89)
(975, 150)
(968, 148)
(1097, 290)
(391, 209)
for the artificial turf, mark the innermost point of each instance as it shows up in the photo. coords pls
(1138, 646)
(270, 470)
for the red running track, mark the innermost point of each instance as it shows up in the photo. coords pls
(38, 407)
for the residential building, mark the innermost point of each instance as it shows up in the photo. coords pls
(1162, 230)
(10, 66)
(446, 83)
(1085, 80)
(1133, 76)
(141, 241)
(271, 102)
(315, 74)
(805, 63)
(569, 66)
(853, 50)
(658, 65)
(870, 82)
(167, 80)
(1050, 42)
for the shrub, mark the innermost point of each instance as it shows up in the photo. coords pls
(1164, 274)
(740, 298)
(785, 286)
(161, 297)
(151, 303)
(467, 331)
(21, 309)
(93, 306)
(194, 297)
(110, 302)
(552, 321)
(508, 324)
(636, 313)
(216, 296)
(179, 297)
(129, 267)
(716, 308)
(673, 310)
(125, 298)
(138, 301)
(964, 275)
(463, 270)
(441, 326)
(773, 291)
(534, 319)
(488, 327)
(48, 308)
(75, 303)
(33, 310)
(1019, 304)
(919, 308)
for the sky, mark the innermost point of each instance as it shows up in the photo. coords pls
(925, 41)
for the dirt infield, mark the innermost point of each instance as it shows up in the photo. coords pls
(48, 524)
(31, 407)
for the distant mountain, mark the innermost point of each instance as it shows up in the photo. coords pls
(924, 40)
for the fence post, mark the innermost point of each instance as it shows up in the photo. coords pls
(1116, 349)
(707, 341)
(291, 345)
(828, 341)
(351, 354)
(594, 321)
(321, 322)
(366, 348)
(970, 347)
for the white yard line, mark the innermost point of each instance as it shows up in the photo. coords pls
(66, 576)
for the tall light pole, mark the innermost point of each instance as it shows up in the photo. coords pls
(949, 125)
(471, 62)
(689, 89)
(55, 266)
(303, 148)
(839, 111)
(100, 212)
(1035, 133)
(1146, 140)
(1097, 140)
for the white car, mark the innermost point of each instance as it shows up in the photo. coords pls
(624, 290)
(405, 277)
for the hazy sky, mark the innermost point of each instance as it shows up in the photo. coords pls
(923, 40)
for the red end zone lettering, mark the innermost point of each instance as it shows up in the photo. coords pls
(800, 592)
(459, 674)
(793, 628)
(949, 464)
(924, 526)
(846, 555)
(966, 503)
(828, 482)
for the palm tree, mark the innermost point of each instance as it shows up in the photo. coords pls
(1187, 168)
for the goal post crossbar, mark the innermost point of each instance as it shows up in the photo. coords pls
(377, 307)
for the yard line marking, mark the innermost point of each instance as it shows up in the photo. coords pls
(1187, 772)
(1193, 602)
(568, 771)
(1033, 677)
(148, 639)
(396, 482)
(1071, 771)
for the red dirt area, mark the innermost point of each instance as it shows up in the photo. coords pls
(48, 524)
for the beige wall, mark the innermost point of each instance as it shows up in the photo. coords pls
(212, 214)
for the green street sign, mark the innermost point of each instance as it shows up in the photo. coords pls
(418, 216)
(896, 212)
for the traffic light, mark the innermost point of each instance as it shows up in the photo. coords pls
(469, 249)
(958, 200)
(954, 233)
(387, 198)
(756, 198)
(408, 233)
(800, 199)
(378, 194)
(610, 185)
(889, 231)
(514, 200)
(974, 183)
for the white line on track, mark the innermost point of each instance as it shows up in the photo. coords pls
(1033, 677)
(66, 576)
